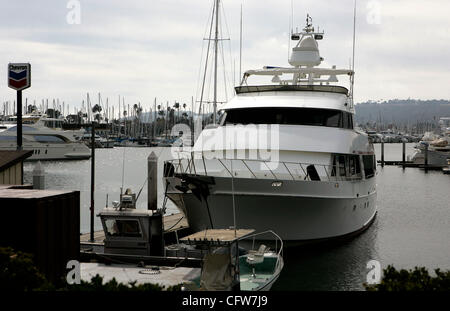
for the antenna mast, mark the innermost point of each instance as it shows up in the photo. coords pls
(240, 48)
(216, 41)
(353, 56)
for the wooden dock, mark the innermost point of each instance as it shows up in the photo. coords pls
(172, 223)
(412, 164)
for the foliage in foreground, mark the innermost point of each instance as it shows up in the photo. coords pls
(96, 284)
(412, 280)
(18, 273)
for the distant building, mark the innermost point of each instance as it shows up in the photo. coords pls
(11, 166)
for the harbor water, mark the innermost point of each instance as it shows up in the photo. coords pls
(412, 227)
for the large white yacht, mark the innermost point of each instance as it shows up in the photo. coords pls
(46, 143)
(285, 155)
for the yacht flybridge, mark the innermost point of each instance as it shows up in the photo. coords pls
(285, 153)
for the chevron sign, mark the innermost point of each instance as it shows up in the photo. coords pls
(19, 76)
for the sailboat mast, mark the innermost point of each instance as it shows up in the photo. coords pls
(216, 41)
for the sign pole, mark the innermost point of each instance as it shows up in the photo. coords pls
(19, 120)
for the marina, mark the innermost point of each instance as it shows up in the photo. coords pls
(274, 174)
(411, 203)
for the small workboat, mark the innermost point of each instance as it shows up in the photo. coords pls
(227, 266)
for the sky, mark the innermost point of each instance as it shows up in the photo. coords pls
(142, 50)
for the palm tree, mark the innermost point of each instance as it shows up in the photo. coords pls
(177, 106)
(97, 108)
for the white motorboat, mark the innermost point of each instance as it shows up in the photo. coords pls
(100, 142)
(226, 266)
(300, 167)
(46, 143)
(435, 148)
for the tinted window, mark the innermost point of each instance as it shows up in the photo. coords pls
(355, 168)
(8, 138)
(48, 139)
(342, 165)
(369, 165)
(292, 116)
(24, 128)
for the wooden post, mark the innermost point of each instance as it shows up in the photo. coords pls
(152, 190)
(403, 154)
(382, 153)
(426, 158)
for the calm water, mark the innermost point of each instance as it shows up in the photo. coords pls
(412, 227)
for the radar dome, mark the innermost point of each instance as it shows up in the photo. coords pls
(306, 53)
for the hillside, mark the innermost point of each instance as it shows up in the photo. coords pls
(402, 112)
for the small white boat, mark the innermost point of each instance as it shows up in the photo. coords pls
(228, 266)
(100, 142)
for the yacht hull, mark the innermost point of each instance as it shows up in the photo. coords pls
(315, 211)
(72, 151)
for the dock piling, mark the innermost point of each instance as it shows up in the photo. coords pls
(403, 154)
(152, 185)
(426, 158)
(382, 153)
(38, 176)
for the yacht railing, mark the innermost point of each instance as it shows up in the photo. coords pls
(257, 169)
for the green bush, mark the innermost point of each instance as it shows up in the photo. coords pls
(411, 280)
(18, 272)
(96, 284)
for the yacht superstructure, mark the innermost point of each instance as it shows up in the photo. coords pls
(286, 154)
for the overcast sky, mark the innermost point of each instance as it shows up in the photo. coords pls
(147, 49)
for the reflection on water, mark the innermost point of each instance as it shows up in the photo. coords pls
(411, 229)
(331, 266)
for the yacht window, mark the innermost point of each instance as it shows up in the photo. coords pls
(345, 123)
(332, 119)
(222, 118)
(48, 139)
(355, 168)
(292, 116)
(24, 128)
(342, 165)
(8, 138)
(369, 165)
(123, 228)
(350, 120)
(346, 166)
